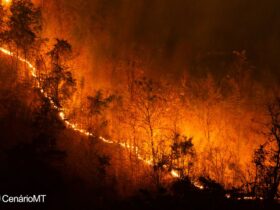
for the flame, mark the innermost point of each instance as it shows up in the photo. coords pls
(75, 127)
(84, 132)
(228, 196)
(175, 174)
(62, 115)
(198, 185)
(6, 2)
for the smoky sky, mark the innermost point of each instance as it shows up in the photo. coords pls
(169, 35)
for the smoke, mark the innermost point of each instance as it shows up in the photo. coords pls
(166, 35)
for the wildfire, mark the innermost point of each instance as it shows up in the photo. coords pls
(73, 126)
(6, 2)
(76, 128)
(175, 174)
(198, 185)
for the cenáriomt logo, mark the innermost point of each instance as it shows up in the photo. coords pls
(23, 199)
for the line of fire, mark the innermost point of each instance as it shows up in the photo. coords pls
(139, 104)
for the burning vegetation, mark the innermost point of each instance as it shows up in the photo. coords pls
(201, 137)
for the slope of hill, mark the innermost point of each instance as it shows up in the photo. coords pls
(38, 155)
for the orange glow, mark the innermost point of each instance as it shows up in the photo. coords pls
(175, 174)
(6, 2)
(74, 126)
(193, 128)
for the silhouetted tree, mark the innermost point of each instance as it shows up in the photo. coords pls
(24, 25)
(149, 108)
(97, 105)
(182, 154)
(59, 83)
(267, 156)
(260, 187)
(46, 124)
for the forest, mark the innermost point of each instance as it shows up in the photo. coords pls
(129, 134)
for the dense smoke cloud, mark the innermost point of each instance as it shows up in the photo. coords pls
(168, 36)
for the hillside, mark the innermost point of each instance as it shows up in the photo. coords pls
(50, 159)
(96, 118)
(60, 163)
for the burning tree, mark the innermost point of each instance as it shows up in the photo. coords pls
(59, 83)
(147, 102)
(24, 25)
(267, 156)
(182, 155)
(97, 105)
(146, 109)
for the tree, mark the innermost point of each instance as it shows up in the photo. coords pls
(97, 105)
(24, 25)
(144, 112)
(260, 188)
(182, 155)
(205, 96)
(267, 156)
(146, 101)
(46, 123)
(205, 102)
(59, 83)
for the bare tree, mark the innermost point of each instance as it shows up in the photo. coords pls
(267, 156)
(147, 109)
